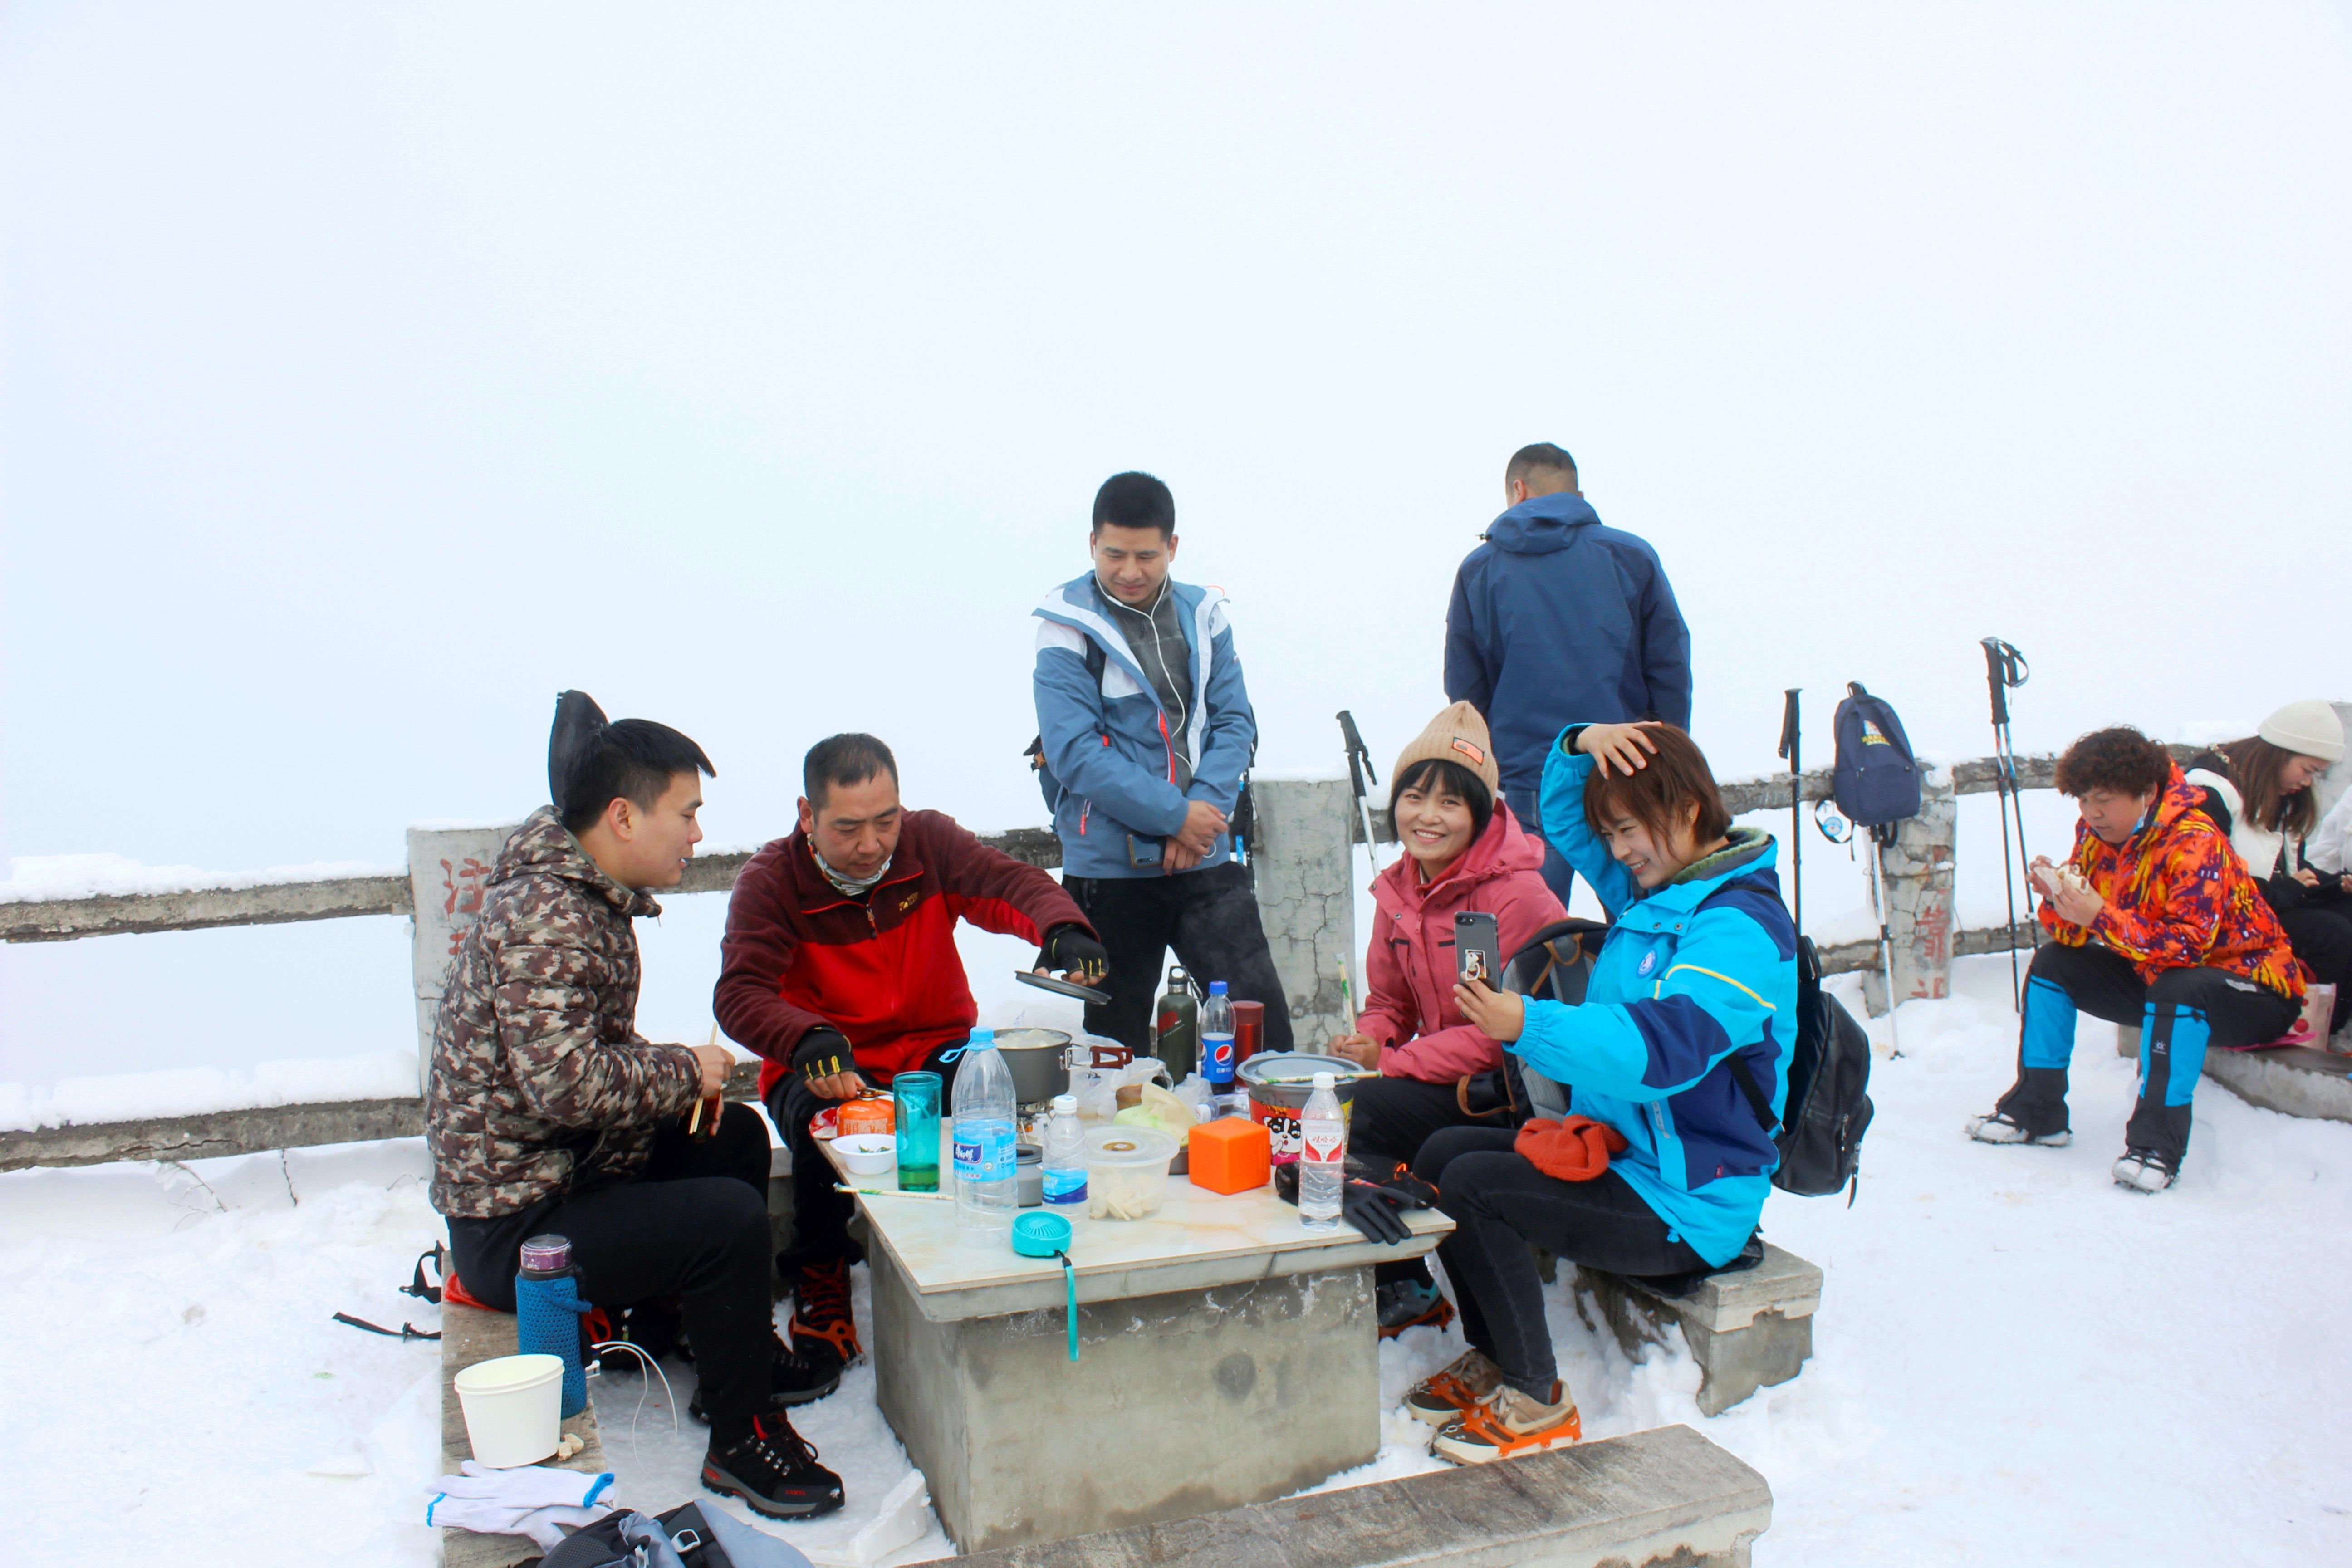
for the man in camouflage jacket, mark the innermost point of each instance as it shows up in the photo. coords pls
(541, 1082)
(546, 1111)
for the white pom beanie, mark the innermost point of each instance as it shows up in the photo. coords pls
(2308, 729)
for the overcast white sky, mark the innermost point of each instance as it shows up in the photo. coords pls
(371, 373)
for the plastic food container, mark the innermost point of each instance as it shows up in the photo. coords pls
(867, 1114)
(511, 1404)
(1127, 1171)
(1278, 1085)
(867, 1154)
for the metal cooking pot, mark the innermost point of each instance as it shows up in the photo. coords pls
(1036, 1057)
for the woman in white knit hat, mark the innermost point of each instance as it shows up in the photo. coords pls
(2259, 790)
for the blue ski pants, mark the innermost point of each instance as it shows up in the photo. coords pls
(2181, 1015)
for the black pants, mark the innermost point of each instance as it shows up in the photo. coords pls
(820, 1215)
(1209, 917)
(1388, 1121)
(1557, 874)
(695, 1225)
(1499, 1202)
(2184, 1012)
(2322, 938)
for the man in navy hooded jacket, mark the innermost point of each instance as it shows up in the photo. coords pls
(1557, 620)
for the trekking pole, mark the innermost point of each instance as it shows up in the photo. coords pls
(1796, 794)
(1360, 768)
(2006, 667)
(1880, 837)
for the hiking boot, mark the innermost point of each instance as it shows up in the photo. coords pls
(824, 1331)
(2145, 1170)
(1410, 1304)
(1509, 1424)
(1999, 1128)
(792, 1379)
(1443, 1396)
(774, 1470)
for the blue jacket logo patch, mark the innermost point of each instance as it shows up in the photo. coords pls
(1649, 962)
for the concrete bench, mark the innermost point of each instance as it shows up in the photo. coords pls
(1663, 1497)
(2295, 1081)
(1746, 1330)
(469, 1335)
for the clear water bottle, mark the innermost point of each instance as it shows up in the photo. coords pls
(1065, 1171)
(986, 1183)
(1322, 1156)
(1217, 1044)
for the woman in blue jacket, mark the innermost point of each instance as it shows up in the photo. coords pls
(1656, 1164)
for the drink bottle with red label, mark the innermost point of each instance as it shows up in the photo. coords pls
(1322, 1156)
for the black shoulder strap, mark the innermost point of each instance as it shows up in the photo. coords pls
(1756, 1100)
(1739, 1073)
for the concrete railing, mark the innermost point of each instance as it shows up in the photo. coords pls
(1306, 884)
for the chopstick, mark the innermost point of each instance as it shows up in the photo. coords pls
(893, 1192)
(694, 1118)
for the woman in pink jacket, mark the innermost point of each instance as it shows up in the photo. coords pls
(1464, 851)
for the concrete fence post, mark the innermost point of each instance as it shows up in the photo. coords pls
(1918, 870)
(1306, 897)
(449, 872)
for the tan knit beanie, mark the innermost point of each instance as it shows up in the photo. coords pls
(2308, 729)
(1459, 736)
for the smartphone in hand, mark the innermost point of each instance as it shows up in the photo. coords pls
(1475, 942)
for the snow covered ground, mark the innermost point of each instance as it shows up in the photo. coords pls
(2014, 1360)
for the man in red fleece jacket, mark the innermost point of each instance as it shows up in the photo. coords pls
(840, 968)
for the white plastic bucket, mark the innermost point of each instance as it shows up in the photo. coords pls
(513, 1406)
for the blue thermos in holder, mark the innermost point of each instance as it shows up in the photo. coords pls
(547, 1313)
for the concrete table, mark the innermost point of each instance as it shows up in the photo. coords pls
(1228, 1357)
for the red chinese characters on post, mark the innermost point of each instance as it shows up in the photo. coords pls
(467, 882)
(1931, 939)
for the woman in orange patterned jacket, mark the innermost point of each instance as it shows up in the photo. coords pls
(2156, 923)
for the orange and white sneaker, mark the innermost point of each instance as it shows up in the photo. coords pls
(1443, 1395)
(1509, 1424)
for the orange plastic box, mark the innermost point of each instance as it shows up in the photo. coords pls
(1231, 1154)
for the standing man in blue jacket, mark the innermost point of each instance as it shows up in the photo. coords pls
(1144, 730)
(1557, 620)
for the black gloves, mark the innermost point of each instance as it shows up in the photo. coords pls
(1377, 1212)
(823, 1053)
(1376, 1208)
(1068, 947)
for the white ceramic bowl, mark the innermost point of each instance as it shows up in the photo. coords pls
(869, 1153)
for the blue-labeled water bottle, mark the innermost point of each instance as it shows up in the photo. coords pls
(548, 1307)
(987, 1184)
(1217, 1042)
(1065, 1172)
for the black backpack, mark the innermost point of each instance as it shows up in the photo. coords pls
(601, 1545)
(1828, 1106)
(1876, 780)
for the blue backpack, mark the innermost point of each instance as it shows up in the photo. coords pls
(1876, 780)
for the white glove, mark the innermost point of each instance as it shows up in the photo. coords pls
(529, 1500)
